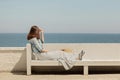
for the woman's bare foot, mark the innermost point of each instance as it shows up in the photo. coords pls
(81, 54)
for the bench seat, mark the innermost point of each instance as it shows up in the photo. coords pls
(78, 63)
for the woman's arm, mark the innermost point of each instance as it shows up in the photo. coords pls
(42, 36)
(37, 45)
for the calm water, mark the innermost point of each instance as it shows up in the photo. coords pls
(19, 40)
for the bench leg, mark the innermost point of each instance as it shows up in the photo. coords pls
(85, 70)
(28, 70)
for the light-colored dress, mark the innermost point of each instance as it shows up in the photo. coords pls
(67, 60)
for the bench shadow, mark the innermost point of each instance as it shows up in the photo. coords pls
(57, 70)
(104, 70)
(20, 66)
(75, 71)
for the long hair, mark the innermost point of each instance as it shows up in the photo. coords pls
(34, 32)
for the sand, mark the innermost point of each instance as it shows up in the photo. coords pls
(23, 76)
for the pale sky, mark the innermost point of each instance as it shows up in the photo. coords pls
(60, 16)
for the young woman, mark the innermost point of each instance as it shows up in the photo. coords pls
(36, 39)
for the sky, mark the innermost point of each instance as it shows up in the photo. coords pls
(60, 16)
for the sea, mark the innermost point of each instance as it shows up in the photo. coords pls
(19, 39)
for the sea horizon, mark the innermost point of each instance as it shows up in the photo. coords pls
(19, 39)
(55, 33)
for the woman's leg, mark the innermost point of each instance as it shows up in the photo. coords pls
(51, 55)
(75, 55)
(54, 55)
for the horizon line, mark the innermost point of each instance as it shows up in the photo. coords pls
(56, 33)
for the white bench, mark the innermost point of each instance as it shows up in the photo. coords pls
(110, 50)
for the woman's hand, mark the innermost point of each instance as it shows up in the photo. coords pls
(41, 30)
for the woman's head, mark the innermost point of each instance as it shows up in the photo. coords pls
(34, 32)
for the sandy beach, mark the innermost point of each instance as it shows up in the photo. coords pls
(22, 76)
(13, 60)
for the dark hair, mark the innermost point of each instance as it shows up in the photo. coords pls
(34, 32)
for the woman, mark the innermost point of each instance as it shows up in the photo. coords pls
(36, 39)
